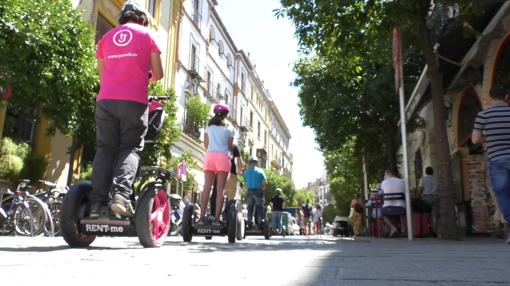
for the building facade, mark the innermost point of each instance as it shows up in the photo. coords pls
(471, 67)
(211, 67)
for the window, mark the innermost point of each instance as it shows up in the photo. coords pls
(152, 8)
(212, 35)
(221, 49)
(227, 97)
(218, 92)
(196, 12)
(251, 119)
(243, 82)
(209, 82)
(19, 124)
(229, 60)
(194, 57)
(258, 130)
(102, 26)
(241, 116)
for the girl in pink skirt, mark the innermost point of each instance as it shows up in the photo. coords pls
(218, 143)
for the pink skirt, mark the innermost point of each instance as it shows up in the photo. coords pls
(217, 162)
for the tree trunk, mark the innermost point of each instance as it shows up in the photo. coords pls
(447, 218)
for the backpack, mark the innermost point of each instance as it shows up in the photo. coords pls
(307, 211)
(358, 207)
(156, 119)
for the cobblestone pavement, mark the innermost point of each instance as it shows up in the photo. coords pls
(255, 261)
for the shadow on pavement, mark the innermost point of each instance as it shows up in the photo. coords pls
(258, 243)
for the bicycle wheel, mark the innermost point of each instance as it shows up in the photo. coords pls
(43, 221)
(23, 220)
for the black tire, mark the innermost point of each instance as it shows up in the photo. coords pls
(240, 230)
(245, 226)
(232, 223)
(76, 205)
(152, 230)
(267, 230)
(187, 223)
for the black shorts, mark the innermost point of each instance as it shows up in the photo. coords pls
(394, 211)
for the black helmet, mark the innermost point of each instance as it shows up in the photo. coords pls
(132, 6)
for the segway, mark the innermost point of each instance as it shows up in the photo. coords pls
(227, 226)
(152, 217)
(260, 228)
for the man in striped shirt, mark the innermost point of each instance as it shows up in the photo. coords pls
(492, 126)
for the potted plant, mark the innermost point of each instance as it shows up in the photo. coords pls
(197, 114)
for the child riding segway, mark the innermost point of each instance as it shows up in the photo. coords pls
(218, 142)
(122, 123)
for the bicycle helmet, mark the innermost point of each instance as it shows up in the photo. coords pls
(221, 109)
(137, 9)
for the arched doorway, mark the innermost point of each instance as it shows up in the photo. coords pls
(501, 73)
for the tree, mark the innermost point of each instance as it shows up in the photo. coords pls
(159, 153)
(347, 34)
(48, 56)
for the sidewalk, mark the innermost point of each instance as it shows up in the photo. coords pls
(423, 261)
(293, 261)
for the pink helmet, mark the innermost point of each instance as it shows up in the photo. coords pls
(221, 109)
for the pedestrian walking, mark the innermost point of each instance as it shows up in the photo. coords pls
(317, 219)
(357, 214)
(427, 190)
(307, 217)
(218, 141)
(492, 127)
(127, 57)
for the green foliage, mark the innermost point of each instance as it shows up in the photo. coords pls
(197, 111)
(34, 167)
(86, 172)
(10, 167)
(191, 163)
(159, 153)
(12, 155)
(329, 212)
(48, 56)
(10, 147)
(301, 197)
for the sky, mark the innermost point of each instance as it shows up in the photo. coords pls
(272, 47)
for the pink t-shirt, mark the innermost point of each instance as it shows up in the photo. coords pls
(126, 51)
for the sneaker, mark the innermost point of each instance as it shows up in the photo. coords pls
(201, 221)
(216, 222)
(98, 210)
(121, 206)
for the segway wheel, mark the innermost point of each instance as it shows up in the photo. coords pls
(232, 224)
(267, 230)
(240, 231)
(152, 217)
(187, 226)
(76, 205)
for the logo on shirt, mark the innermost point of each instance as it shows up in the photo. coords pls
(122, 38)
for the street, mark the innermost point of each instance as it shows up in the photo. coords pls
(255, 261)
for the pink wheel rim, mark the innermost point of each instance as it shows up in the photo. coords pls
(160, 216)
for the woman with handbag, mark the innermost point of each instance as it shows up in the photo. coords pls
(357, 210)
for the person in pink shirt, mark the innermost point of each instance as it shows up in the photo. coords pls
(127, 57)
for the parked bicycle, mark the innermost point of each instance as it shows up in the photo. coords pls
(21, 213)
(53, 196)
